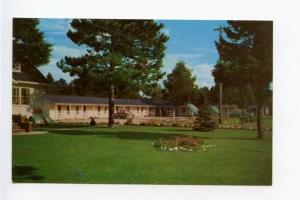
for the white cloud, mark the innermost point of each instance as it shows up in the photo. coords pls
(203, 74)
(62, 51)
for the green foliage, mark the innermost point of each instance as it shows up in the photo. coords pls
(60, 87)
(180, 84)
(125, 53)
(29, 47)
(245, 54)
(204, 121)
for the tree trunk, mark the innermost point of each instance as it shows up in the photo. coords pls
(111, 109)
(259, 116)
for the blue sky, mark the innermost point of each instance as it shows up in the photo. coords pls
(191, 41)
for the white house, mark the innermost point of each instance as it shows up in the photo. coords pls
(28, 86)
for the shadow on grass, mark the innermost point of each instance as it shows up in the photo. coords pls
(219, 136)
(23, 174)
(140, 135)
(127, 135)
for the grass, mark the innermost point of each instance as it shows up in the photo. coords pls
(123, 155)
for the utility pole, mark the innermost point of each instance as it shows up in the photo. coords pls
(220, 29)
(220, 102)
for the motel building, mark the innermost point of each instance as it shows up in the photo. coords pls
(29, 98)
(76, 108)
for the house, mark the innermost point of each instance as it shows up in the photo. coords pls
(79, 108)
(28, 86)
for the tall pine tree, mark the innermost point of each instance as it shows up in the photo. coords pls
(246, 59)
(118, 51)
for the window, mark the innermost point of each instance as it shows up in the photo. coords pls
(117, 108)
(127, 108)
(84, 109)
(138, 109)
(21, 96)
(77, 109)
(142, 109)
(59, 108)
(99, 109)
(68, 109)
(105, 109)
(25, 96)
(16, 96)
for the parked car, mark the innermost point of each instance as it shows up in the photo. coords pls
(122, 114)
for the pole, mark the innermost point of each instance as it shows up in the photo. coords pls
(220, 102)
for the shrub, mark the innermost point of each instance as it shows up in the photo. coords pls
(93, 121)
(204, 121)
(143, 124)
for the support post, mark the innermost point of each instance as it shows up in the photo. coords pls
(220, 102)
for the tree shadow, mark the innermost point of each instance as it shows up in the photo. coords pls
(215, 136)
(25, 174)
(126, 135)
(143, 135)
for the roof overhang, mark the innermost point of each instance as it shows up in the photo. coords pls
(30, 83)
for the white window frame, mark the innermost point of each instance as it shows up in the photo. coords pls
(20, 97)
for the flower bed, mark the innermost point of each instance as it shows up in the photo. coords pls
(182, 143)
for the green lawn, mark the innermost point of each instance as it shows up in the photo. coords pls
(124, 155)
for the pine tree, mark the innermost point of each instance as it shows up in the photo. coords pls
(121, 52)
(29, 46)
(180, 84)
(204, 121)
(246, 59)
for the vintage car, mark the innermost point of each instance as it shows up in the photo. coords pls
(122, 114)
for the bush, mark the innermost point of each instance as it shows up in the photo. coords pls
(17, 119)
(93, 121)
(143, 124)
(204, 121)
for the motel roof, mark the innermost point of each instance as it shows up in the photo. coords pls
(56, 99)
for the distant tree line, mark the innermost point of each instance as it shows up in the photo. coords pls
(179, 86)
